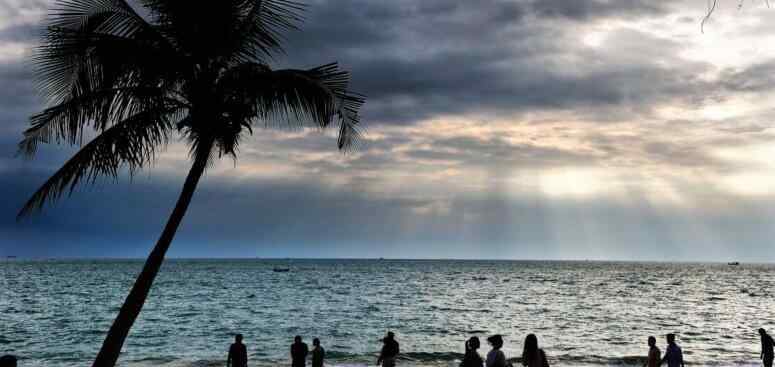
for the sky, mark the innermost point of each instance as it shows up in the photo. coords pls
(531, 129)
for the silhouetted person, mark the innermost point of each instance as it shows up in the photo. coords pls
(299, 352)
(472, 357)
(8, 361)
(767, 345)
(532, 355)
(389, 352)
(318, 353)
(238, 354)
(655, 354)
(496, 358)
(673, 354)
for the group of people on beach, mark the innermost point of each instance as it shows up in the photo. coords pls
(532, 355)
(674, 355)
(238, 354)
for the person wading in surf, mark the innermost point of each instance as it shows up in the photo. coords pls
(238, 353)
(674, 356)
(472, 357)
(495, 357)
(532, 355)
(8, 361)
(654, 353)
(390, 350)
(299, 352)
(767, 344)
(318, 353)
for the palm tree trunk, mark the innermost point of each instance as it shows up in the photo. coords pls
(133, 303)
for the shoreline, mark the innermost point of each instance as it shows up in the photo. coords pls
(410, 359)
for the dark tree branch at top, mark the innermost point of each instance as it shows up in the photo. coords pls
(712, 7)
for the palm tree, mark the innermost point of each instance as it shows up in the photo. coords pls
(135, 75)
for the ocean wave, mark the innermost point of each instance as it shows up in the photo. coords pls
(431, 356)
(164, 362)
(601, 360)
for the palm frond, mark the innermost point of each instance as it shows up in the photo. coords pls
(296, 97)
(98, 44)
(130, 144)
(261, 30)
(227, 30)
(114, 17)
(67, 120)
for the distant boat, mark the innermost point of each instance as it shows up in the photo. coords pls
(10, 257)
(733, 263)
(281, 270)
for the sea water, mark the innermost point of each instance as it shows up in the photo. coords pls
(56, 313)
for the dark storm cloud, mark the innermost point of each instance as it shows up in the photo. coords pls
(588, 9)
(475, 84)
(26, 33)
(419, 59)
(415, 60)
(17, 93)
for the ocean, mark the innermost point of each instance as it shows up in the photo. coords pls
(55, 313)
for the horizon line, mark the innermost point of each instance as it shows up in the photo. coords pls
(42, 258)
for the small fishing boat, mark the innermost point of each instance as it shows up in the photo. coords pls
(733, 263)
(281, 270)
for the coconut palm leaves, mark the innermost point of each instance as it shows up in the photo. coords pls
(135, 76)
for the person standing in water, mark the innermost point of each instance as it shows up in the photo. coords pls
(495, 357)
(532, 355)
(654, 353)
(767, 344)
(472, 357)
(389, 352)
(8, 361)
(299, 352)
(673, 354)
(238, 353)
(318, 353)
